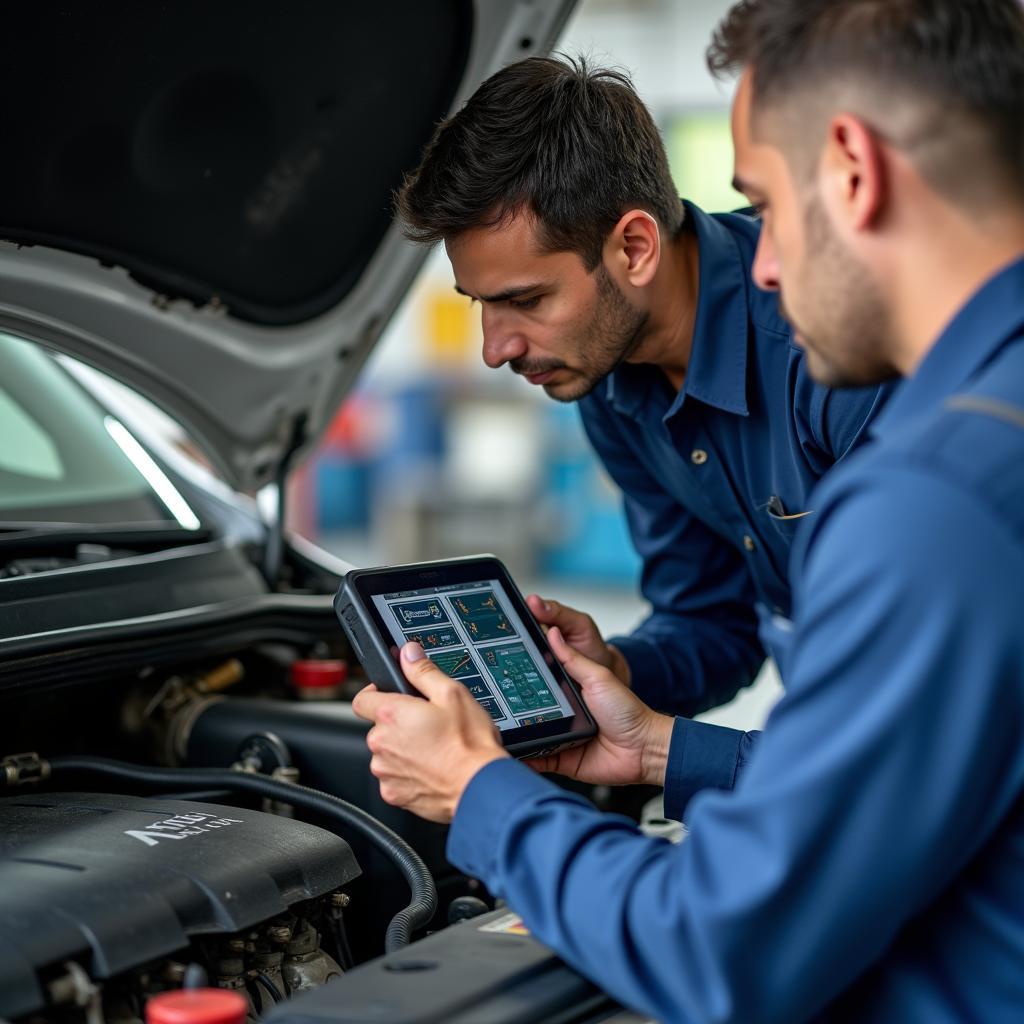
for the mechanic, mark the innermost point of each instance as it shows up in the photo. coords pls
(868, 864)
(552, 193)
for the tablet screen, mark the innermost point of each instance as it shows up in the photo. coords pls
(472, 632)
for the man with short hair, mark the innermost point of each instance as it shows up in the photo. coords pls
(868, 864)
(552, 193)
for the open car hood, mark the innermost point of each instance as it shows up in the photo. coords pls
(195, 198)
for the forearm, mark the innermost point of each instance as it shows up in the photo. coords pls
(879, 778)
(688, 932)
(656, 751)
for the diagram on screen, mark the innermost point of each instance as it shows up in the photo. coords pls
(521, 684)
(478, 688)
(457, 664)
(419, 613)
(444, 636)
(482, 616)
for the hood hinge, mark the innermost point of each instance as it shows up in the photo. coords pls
(273, 556)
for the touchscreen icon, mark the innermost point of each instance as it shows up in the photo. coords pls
(413, 614)
(521, 684)
(443, 636)
(457, 664)
(483, 616)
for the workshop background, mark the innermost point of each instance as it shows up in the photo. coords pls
(435, 455)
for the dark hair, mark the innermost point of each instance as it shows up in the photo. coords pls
(574, 145)
(961, 61)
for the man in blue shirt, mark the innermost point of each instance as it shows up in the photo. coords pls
(552, 193)
(868, 864)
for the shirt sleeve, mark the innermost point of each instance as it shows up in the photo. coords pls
(703, 756)
(840, 419)
(885, 768)
(699, 645)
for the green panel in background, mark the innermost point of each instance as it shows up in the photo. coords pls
(700, 155)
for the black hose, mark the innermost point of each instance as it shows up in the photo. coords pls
(270, 987)
(255, 996)
(341, 946)
(424, 894)
(205, 795)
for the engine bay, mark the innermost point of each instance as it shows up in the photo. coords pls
(232, 836)
(119, 886)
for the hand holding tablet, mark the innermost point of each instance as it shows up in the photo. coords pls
(475, 626)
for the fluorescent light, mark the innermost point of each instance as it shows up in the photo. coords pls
(155, 476)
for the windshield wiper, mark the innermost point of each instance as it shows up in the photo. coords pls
(19, 536)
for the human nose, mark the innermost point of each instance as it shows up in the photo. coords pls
(766, 264)
(503, 342)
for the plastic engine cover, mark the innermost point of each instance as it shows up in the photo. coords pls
(116, 881)
(487, 970)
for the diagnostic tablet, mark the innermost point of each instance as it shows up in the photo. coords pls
(474, 624)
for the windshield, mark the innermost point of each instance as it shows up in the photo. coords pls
(65, 459)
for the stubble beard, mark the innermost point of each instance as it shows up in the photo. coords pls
(844, 324)
(612, 336)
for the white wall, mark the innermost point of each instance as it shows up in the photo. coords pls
(660, 42)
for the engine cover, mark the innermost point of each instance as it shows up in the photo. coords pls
(116, 881)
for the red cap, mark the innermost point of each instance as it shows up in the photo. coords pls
(197, 1006)
(316, 673)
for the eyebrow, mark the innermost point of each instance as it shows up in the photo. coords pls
(508, 293)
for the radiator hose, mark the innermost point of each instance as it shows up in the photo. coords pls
(424, 894)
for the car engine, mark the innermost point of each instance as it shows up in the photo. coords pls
(232, 837)
(110, 899)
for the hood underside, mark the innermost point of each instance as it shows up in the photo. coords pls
(196, 198)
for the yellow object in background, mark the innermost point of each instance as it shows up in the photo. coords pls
(449, 326)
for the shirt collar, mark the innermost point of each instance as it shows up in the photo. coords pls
(717, 372)
(990, 318)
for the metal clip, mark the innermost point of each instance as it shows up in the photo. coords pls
(24, 769)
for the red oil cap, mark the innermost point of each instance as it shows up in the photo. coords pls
(197, 1006)
(315, 674)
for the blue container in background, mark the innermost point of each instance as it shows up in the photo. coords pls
(342, 489)
(587, 538)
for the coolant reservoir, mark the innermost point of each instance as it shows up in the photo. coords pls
(318, 678)
(197, 1006)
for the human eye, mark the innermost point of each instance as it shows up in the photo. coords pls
(530, 303)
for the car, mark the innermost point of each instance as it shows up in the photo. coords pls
(195, 207)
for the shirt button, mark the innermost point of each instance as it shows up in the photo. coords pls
(698, 456)
(748, 542)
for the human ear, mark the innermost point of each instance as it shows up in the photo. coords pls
(853, 178)
(634, 247)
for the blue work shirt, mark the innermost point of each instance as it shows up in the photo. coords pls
(716, 480)
(869, 864)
